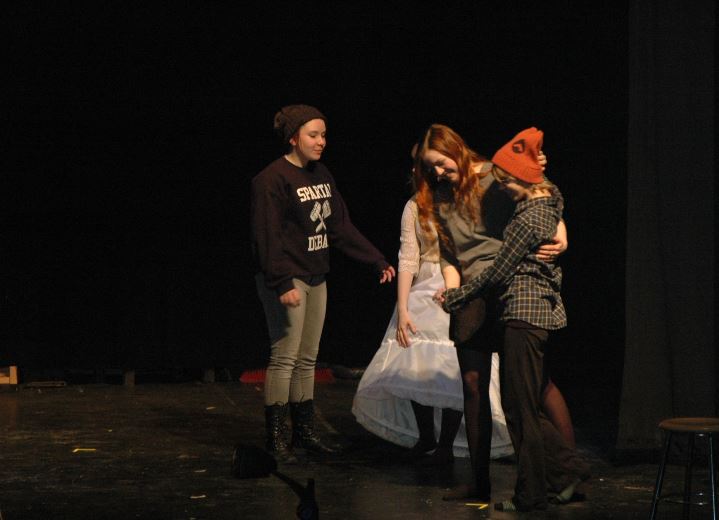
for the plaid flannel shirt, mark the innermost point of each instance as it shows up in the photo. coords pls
(531, 287)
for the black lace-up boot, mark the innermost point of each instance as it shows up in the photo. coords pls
(303, 431)
(275, 417)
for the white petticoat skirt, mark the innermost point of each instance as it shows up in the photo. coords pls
(427, 372)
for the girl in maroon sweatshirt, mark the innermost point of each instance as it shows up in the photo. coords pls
(297, 214)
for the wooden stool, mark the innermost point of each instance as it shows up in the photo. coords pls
(707, 427)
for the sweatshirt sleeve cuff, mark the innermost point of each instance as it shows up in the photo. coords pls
(381, 265)
(285, 286)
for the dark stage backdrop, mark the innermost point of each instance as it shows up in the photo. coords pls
(670, 360)
(132, 133)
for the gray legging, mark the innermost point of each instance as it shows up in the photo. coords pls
(295, 340)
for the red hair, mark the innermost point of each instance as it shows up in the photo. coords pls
(467, 191)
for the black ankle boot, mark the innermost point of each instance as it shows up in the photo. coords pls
(275, 417)
(303, 431)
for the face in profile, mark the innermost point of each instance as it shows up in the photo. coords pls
(514, 190)
(441, 166)
(309, 142)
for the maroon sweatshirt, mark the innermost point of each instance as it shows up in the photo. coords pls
(297, 213)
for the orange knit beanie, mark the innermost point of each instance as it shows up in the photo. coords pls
(519, 156)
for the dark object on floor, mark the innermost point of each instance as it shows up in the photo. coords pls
(252, 462)
(307, 509)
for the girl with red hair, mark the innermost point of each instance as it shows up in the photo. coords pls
(457, 196)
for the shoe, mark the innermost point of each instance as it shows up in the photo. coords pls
(512, 506)
(303, 431)
(569, 493)
(422, 448)
(276, 445)
(440, 457)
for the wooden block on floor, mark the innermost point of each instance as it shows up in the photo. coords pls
(8, 375)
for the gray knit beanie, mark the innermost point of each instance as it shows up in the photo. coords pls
(290, 118)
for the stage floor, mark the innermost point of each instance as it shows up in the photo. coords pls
(163, 451)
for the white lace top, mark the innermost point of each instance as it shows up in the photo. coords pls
(416, 246)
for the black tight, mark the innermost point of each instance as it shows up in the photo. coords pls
(475, 366)
(451, 420)
(425, 422)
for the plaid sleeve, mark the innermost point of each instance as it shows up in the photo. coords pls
(518, 242)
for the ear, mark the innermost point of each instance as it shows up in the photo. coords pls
(294, 139)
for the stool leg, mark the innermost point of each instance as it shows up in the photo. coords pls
(712, 476)
(688, 478)
(660, 476)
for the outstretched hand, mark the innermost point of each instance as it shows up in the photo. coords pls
(387, 274)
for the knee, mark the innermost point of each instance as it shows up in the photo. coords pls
(306, 362)
(471, 386)
(285, 361)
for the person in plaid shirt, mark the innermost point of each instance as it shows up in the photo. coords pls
(458, 196)
(531, 307)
